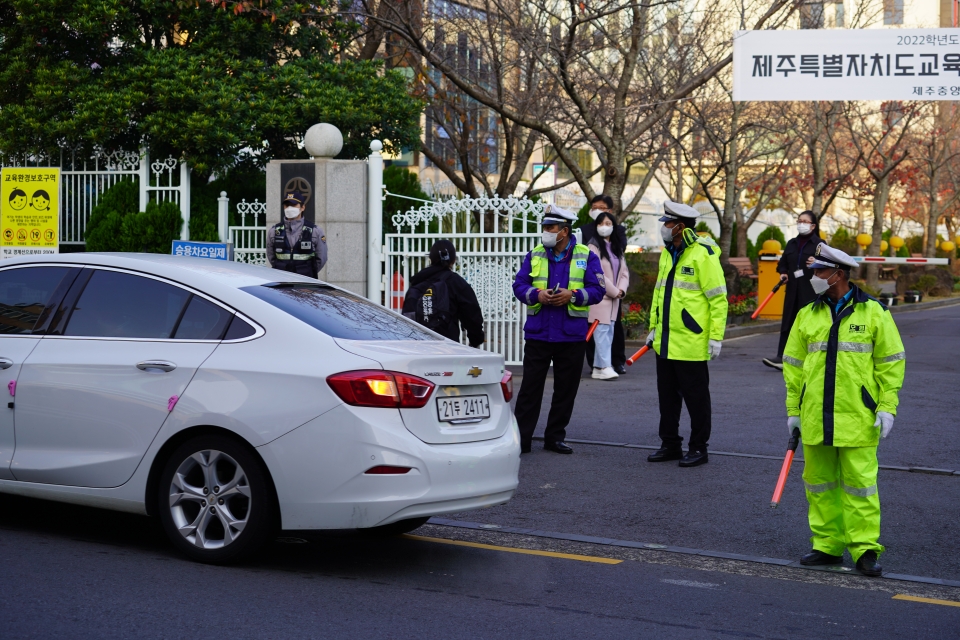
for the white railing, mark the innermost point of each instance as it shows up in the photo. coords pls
(492, 236)
(85, 179)
(249, 238)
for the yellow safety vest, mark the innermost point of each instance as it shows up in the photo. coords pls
(540, 269)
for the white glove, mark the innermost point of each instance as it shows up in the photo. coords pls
(885, 422)
(714, 349)
(793, 422)
(650, 337)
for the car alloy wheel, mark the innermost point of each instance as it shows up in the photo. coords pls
(210, 499)
(215, 502)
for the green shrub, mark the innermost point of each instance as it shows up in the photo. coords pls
(770, 233)
(643, 279)
(845, 241)
(870, 291)
(153, 230)
(926, 284)
(241, 183)
(401, 181)
(104, 228)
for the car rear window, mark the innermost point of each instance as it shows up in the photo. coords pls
(340, 314)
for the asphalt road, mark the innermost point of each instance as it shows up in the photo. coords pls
(81, 572)
(724, 505)
(78, 572)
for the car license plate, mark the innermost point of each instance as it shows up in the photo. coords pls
(463, 408)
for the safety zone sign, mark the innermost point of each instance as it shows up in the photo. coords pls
(29, 211)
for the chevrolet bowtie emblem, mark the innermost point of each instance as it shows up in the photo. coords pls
(475, 372)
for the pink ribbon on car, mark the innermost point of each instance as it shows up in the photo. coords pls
(12, 387)
(172, 402)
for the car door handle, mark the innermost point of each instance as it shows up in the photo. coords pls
(5, 363)
(162, 365)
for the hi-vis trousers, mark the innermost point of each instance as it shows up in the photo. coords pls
(841, 484)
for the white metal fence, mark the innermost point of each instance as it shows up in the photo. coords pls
(249, 238)
(84, 179)
(492, 236)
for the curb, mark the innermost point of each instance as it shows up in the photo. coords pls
(649, 546)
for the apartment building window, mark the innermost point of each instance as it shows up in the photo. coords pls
(811, 15)
(584, 158)
(892, 11)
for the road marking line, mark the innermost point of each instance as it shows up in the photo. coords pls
(946, 603)
(531, 552)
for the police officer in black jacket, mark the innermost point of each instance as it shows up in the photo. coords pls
(795, 271)
(618, 350)
(295, 245)
(464, 308)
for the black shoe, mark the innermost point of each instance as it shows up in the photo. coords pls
(620, 369)
(868, 564)
(774, 363)
(818, 558)
(524, 447)
(694, 459)
(665, 453)
(557, 447)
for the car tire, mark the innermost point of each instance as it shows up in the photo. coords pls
(222, 523)
(397, 528)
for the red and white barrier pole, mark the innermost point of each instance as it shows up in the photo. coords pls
(888, 260)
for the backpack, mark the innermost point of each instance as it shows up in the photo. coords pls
(431, 304)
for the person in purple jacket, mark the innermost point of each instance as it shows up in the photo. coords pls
(558, 281)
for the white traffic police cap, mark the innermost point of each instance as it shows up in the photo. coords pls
(827, 257)
(673, 210)
(555, 215)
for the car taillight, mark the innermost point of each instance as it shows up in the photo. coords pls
(381, 389)
(506, 385)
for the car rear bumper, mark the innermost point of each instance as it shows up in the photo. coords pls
(318, 471)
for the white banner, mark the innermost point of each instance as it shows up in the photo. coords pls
(847, 64)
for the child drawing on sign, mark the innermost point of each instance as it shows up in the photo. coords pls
(40, 200)
(18, 199)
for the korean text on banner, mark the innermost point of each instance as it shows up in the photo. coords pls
(29, 211)
(209, 250)
(847, 64)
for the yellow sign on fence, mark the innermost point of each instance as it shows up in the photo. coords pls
(29, 211)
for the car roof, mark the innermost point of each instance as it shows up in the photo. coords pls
(198, 272)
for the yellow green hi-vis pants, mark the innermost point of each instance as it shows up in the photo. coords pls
(841, 484)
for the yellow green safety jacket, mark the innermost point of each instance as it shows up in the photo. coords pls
(841, 369)
(540, 269)
(690, 300)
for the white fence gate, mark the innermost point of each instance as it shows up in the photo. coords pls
(84, 179)
(249, 238)
(492, 236)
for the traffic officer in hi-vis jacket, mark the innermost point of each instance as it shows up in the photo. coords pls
(557, 281)
(687, 320)
(843, 367)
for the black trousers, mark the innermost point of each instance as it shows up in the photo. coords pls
(786, 324)
(567, 358)
(618, 350)
(678, 382)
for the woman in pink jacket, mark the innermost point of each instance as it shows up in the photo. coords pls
(617, 278)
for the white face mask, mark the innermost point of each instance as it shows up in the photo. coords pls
(820, 285)
(605, 231)
(803, 228)
(291, 212)
(667, 234)
(549, 239)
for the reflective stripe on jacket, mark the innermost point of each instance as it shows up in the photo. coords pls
(841, 369)
(690, 300)
(297, 259)
(540, 269)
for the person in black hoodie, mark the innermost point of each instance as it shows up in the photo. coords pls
(464, 310)
(795, 271)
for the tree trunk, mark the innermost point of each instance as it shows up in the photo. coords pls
(880, 195)
(933, 215)
(742, 230)
(730, 193)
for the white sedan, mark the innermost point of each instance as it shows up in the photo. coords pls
(232, 400)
